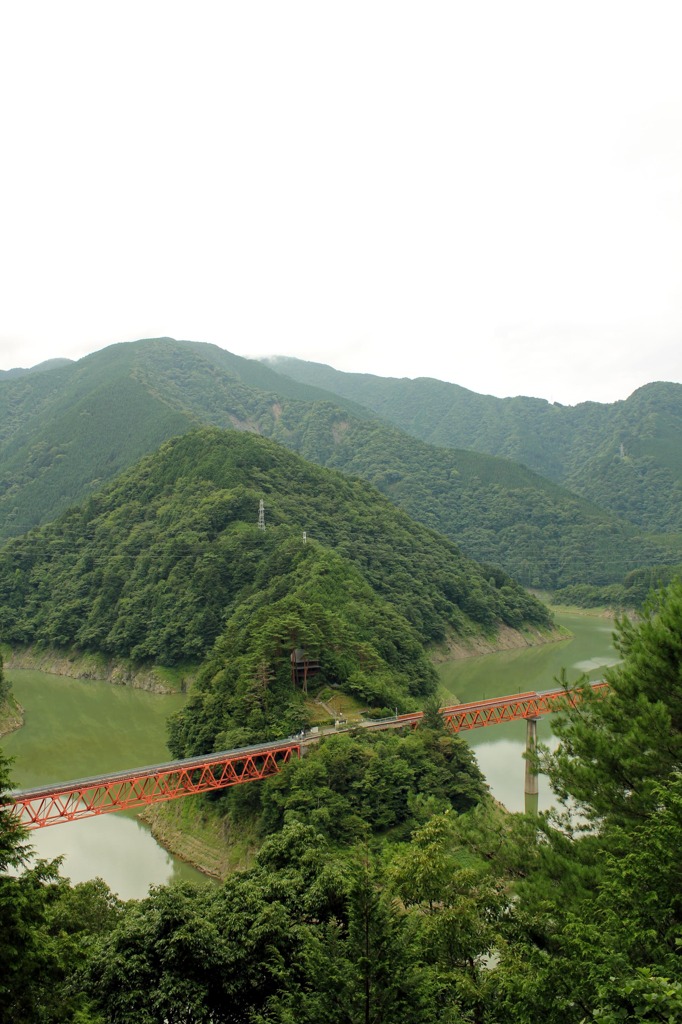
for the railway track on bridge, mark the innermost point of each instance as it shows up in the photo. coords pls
(139, 787)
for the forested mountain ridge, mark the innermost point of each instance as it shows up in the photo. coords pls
(168, 559)
(388, 888)
(624, 456)
(637, 470)
(499, 512)
(20, 371)
(65, 432)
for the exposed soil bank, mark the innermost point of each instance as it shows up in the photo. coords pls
(506, 639)
(197, 835)
(11, 716)
(78, 665)
(158, 679)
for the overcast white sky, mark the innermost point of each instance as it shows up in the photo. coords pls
(485, 192)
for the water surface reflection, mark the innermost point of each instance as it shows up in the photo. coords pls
(500, 748)
(75, 728)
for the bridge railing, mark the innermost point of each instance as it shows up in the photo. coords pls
(140, 787)
(84, 798)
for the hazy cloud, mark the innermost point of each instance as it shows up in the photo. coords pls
(487, 193)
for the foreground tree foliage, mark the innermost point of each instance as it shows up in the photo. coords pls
(306, 935)
(43, 929)
(616, 752)
(389, 888)
(598, 928)
(380, 783)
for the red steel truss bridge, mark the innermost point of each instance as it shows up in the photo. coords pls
(140, 787)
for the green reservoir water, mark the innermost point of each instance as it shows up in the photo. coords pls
(499, 749)
(76, 728)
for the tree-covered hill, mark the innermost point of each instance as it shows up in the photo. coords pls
(499, 512)
(389, 888)
(625, 456)
(66, 431)
(636, 470)
(169, 559)
(20, 371)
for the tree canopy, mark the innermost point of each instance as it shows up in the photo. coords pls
(389, 888)
(167, 565)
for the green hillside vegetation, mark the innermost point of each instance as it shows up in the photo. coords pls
(10, 712)
(497, 511)
(48, 364)
(577, 446)
(168, 561)
(353, 785)
(633, 592)
(642, 481)
(66, 432)
(389, 888)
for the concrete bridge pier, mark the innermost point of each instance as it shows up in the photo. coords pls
(530, 789)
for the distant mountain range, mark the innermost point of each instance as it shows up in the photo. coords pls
(626, 456)
(49, 364)
(66, 431)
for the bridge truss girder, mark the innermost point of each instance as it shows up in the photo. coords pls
(85, 798)
(142, 787)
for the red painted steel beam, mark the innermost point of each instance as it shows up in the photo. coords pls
(513, 708)
(139, 787)
(496, 710)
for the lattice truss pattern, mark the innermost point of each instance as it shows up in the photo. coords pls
(139, 787)
(511, 709)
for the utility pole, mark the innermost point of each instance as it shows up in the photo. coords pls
(261, 515)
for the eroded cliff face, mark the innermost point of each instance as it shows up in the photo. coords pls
(505, 639)
(87, 666)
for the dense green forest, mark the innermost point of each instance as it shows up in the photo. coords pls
(4, 693)
(167, 565)
(498, 512)
(624, 457)
(389, 888)
(67, 430)
(631, 593)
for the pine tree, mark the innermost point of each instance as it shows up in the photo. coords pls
(615, 750)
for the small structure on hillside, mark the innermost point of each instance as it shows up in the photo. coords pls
(302, 667)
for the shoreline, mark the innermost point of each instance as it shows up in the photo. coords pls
(199, 837)
(192, 833)
(506, 639)
(11, 716)
(117, 671)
